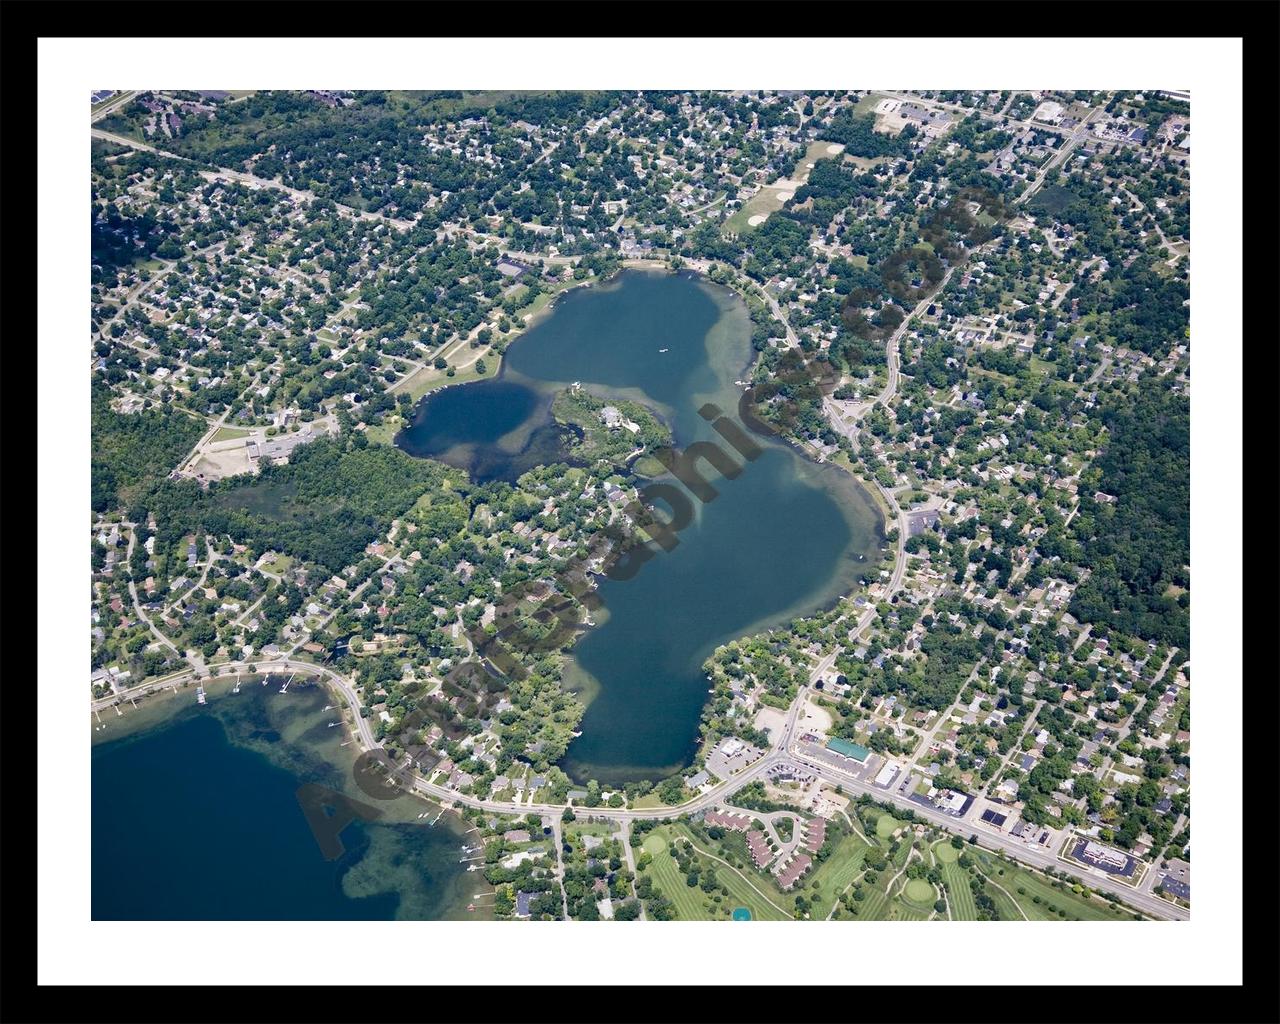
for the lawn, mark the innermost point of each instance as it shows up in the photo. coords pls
(919, 891)
(816, 151)
(692, 904)
(539, 303)
(689, 904)
(385, 432)
(863, 163)
(230, 433)
(867, 104)
(279, 565)
(1077, 907)
(959, 895)
(901, 907)
(885, 826)
(429, 379)
(603, 829)
(764, 202)
(736, 882)
(836, 872)
(902, 911)
(1005, 905)
(899, 859)
(874, 907)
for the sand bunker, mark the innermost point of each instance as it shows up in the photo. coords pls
(758, 218)
(784, 196)
(835, 148)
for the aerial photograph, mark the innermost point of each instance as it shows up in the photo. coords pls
(642, 505)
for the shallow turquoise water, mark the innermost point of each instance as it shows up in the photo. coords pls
(189, 825)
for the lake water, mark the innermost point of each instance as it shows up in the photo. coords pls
(196, 817)
(785, 538)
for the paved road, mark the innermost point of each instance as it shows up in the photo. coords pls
(628, 855)
(226, 174)
(1059, 158)
(1028, 854)
(131, 297)
(112, 105)
(1145, 902)
(892, 360)
(137, 605)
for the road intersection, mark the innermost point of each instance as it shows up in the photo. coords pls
(785, 753)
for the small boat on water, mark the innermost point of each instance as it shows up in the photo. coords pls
(661, 350)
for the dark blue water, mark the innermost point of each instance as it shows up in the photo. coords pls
(466, 416)
(188, 825)
(782, 539)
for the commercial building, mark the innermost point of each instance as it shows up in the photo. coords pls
(844, 747)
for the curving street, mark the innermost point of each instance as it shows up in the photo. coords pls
(785, 753)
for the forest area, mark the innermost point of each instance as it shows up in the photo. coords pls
(1138, 547)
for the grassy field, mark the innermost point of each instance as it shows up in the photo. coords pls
(229, 434)
(692, 904)
(959, 895)
(901, 911)
(385, 432)
(1005, 905)
(919, 891)
(899, 859)
(836, 872)
(885, 826)
(875, 906)
(764, 202)
(1078, 907)
(539, 303)
(863, 163)
(739, 886)
(603, 829)
(867, 104)
(429, 379)
(879, 905)
(689, 904)
(914, 901)
(815, 152)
